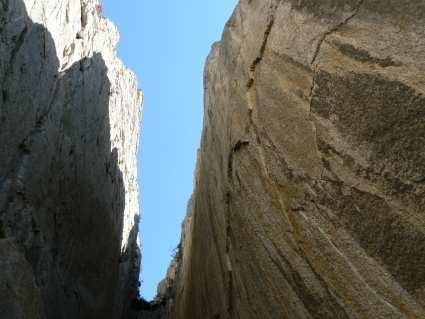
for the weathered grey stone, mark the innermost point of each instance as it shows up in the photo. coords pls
(310, 190)
(69, 124)
(19, 296)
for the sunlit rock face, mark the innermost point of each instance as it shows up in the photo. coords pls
(310, 191)
(69, 125)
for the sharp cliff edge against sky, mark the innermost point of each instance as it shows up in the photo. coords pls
(166, 44)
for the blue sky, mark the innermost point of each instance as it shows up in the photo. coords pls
(166, 43)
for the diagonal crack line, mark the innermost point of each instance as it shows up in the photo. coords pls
(260, 56)
(316, 54)
(313, 85)
(334, 29)
(19, 42)
(8, 183)
(322, 39)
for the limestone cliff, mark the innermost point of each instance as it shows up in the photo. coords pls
(69, 125)
(310, 192)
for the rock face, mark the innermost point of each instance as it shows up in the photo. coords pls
(69, 125)
(20, 297)
(310, 191)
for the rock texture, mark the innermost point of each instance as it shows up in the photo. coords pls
(20, 297)
(69, 125)
(310, 191)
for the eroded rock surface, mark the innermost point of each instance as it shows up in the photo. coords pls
(310, 190)
(69, 124)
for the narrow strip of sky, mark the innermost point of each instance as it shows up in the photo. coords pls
(166, 43)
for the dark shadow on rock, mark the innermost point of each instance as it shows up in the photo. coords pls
(62, 193)
(142, 309)
(130, 267)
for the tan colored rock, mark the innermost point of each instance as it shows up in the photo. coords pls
(310, 192)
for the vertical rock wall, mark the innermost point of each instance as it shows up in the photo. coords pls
(310, 192)
(69, 125)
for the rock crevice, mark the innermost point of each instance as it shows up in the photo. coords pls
(310, 178)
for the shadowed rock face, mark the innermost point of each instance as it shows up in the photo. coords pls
(310, 181)
(20, 297)
(69, 114)
(310, 187)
